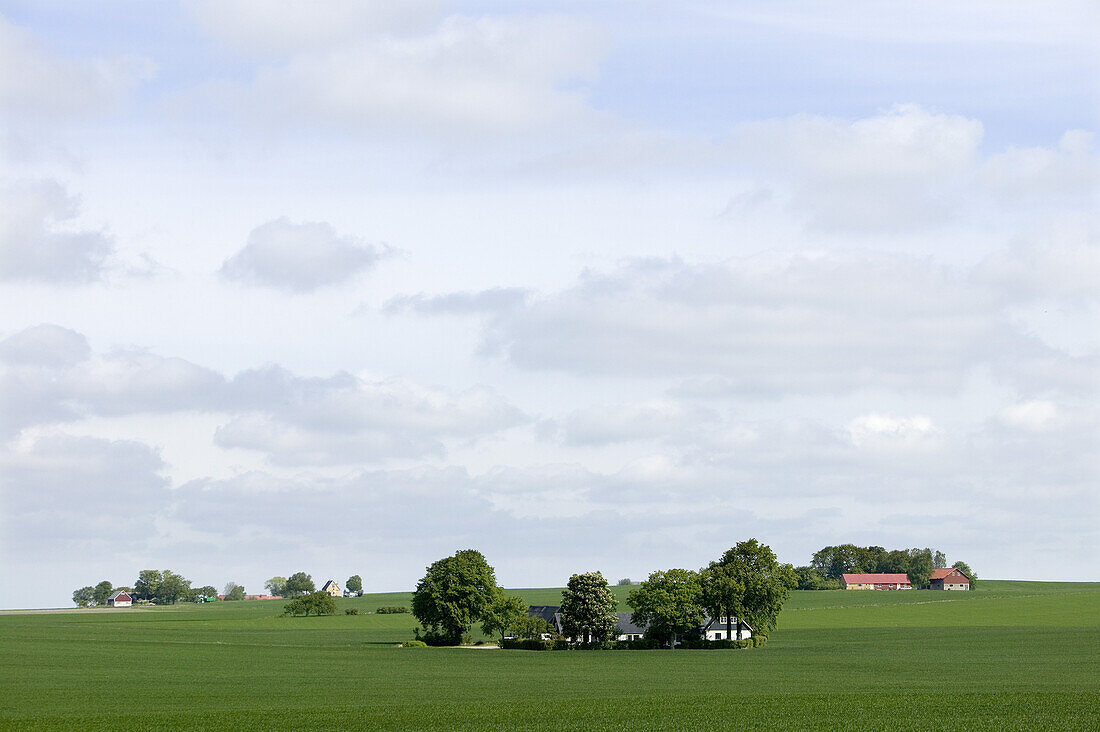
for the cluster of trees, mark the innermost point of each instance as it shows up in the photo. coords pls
(746, 582)
(300, 584)
(458, 591)
(90, 596)
(828, 564)
(160, 587)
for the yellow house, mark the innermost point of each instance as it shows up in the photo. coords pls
(331, 588)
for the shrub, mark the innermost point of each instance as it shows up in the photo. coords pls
(318, 603)
(759, 641)
(392, 610)
(414, 644)
(351, 611)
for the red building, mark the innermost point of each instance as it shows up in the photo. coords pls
(949, 578)
(877, 581)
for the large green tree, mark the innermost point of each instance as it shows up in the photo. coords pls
(148, 582)
(298, 584)
(588, 608)
(668, 604)
(921, 564)
(276, 586)
(454, 593)
(234, 591)
(171, 588)
(102, 592)
(84, 597)
(748, 582)
(354, 583)
(503, 614)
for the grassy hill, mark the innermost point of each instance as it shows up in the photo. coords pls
(1012, 655)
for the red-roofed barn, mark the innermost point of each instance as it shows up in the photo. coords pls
(949, 578)
(877, 581)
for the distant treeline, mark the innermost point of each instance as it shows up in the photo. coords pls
(828, 564)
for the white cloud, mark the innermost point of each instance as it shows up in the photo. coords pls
(452, 78)
(603, 425)
(1036, 415)
(50, 375)
(299, 257)
(798, 324)
(879, 430)
(37, 240)
(35, 82)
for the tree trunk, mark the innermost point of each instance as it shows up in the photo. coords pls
(739, 629)
(729, 625)
(673, 646)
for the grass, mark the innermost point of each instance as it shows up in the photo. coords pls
(1008, 656)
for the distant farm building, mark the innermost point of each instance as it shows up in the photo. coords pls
(877, 581)
(949, 578)
(120, 599)
(331, 588)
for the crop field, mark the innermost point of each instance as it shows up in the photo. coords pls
(1011, 655)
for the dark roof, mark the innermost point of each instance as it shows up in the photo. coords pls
(120, 593)
(546, 612)
(626, 627)
(713, 623)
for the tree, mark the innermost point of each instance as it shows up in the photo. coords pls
(454, 593)
(833, 561)
(206, 591)
(503, 614)
(233, 592)
(668, 604)
(625, 581)
(810, 578)
(298, 584)
(894, 562)
(354, 584)
(276, 586)
(920, 567)
(965, 569)
(84, 597)
(748, 582)
(939, 560)
(171, 588)
(588, 608)
(102, 592)
(530, 626)
(147, 584)
(318, 603)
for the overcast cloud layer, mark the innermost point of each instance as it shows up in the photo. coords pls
(349, 288)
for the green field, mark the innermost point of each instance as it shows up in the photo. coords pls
(1011, 655)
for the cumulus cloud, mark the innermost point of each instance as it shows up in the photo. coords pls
(770, 324)
(38, 241)
(1037, 415)
(401, 69)
(65, 495)
(299, 257)
(36, 82)
(50, 375)
(347, 419)
(880, 430)
(603, 425)
(459, 303)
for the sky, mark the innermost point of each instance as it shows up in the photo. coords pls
(344, 287)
